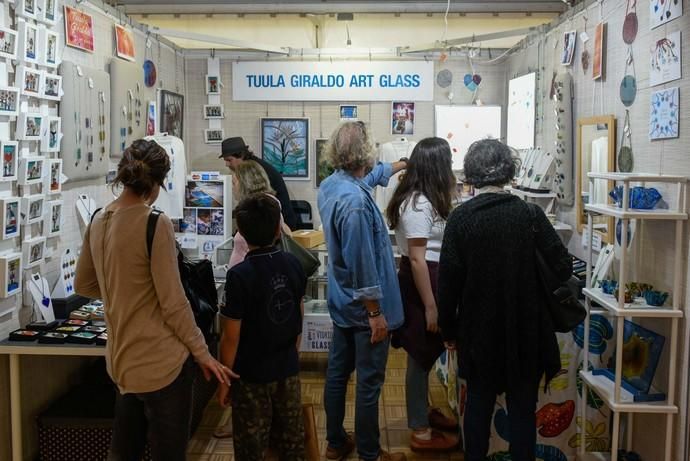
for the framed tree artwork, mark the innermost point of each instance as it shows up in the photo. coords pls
(171, 113)
(323, 168)
(285, 145)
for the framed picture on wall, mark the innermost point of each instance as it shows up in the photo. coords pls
(33, 251)
(598, 65)
(214, 111)
(569, 41)
(32, 208)
(171, 113)
(151, 118)
(29, 127)
(27, 50)
(55, 219)
(402, 118)
(50, 48)
(30, 80)
(52, 86)
(8, 43)
(10, 274)
(213, 84)
(50, 139)
(124, 43)
(214, 136)
(26, 8)
(285, 145)
(49, 15)
(9, 215)
(323, 168)
(30, 170)
(78, 29)
(9, 101)
(9, 160)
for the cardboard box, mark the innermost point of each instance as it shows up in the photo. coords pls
(308, 238)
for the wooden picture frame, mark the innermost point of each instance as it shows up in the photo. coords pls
(10, 158)
(10, 274)
(10, 215)
(171, 114)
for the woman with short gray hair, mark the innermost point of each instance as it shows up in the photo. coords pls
(490, 304)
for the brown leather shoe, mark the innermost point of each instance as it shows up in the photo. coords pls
(439, 421)
(385, 456)
(344, 451)
(439, 442)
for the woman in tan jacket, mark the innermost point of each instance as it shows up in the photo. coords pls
(153, 340)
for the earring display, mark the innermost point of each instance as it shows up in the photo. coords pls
(32, 208)
(27, 50)
(33, 251)
(10, 274)
(30, 170)
(8, 43)
(31, 81)
(64, 287)
(29, 127)
(9, 160)
(101, 123)
(55, 219)
(50, 141)
(9, 217)
(52, 87)
(563, 186)
(55, 177)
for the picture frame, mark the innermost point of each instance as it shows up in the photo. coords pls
(204, 194)
(33, 251)
(78, 29)
(33, 207)
(347, 112)
(664, 114)
(29, 126)
(54, 176)
(598, 63)
(55, 219)
(214, 135)
(8, 150)
(52, 134)
(213, 84)
(10, 274)
(30, 81)
(9, 101)
(402, 118)
(323, 168)
(28, 9)
(151, 116)
(214, 111)
(285, 146)
(28, 39)
(30, 170)
(569, 42)
(124, 43)
(9, 217)
(172, 113)
(52, 86)
(49, 13)
(49, 48)
(8, 43)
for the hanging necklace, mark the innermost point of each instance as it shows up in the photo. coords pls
(130, 104)
(101, 122)
(137, 105)
(89, 127)
(45, 300)
(123, 129)
(77, 123)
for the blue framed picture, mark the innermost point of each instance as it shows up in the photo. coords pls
(641, 354)
(348, 113)
(285, 146)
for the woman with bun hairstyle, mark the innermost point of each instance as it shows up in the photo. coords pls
(153, 340)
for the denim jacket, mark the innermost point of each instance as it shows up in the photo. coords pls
(360, 256)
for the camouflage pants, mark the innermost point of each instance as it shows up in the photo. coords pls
(267, 412)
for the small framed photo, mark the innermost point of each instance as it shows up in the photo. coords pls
(9, 101)
(27, 50)
(54, 182)
(33, 251)
(54, 222)
(214, 111)
(52, 134)
(10, 274)
(214, 136)
(50, 48)
(49, 15)
(8, 43)
(212, 84)
(9, 215)
(29, 127)
(569, 40)
(32, 208)
(52, 86)
(9, 160)
(31, 81)
(27, 8)
(402, 118)
(348, 113)
(30, 170)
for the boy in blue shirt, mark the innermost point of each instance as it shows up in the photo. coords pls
(262, 324)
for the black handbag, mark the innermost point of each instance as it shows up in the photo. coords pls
(310, 263)
(566, 311)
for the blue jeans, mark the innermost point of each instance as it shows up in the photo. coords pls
(416, 395)
(351, 350)
(479, 409)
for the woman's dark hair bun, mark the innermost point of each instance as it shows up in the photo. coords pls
(144, 165)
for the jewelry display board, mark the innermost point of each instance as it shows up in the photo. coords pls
(84, 111)
(127, 111)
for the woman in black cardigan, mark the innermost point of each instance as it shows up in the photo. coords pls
(489, 303)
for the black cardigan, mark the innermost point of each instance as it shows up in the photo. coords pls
(488, 298)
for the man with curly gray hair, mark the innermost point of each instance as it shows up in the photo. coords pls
(363, 293)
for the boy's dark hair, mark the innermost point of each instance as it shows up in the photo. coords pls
(257, 218)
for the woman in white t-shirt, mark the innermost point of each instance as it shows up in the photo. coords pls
(417, 212)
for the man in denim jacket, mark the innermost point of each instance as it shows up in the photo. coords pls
(363, 292)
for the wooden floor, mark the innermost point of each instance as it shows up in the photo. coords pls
(392, 417)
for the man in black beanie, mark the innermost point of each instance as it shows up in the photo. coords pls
(234, 151)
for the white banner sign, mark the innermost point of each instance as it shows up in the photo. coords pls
(333, 81)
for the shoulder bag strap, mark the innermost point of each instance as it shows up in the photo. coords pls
(151, 229)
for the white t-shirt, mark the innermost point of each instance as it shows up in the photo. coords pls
(418, 220)
(388, 153)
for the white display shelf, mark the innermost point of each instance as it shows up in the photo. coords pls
(560, 226)
(524, 193)
(603, 386)
(611, 210)
(638, 177)
(638, 308)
